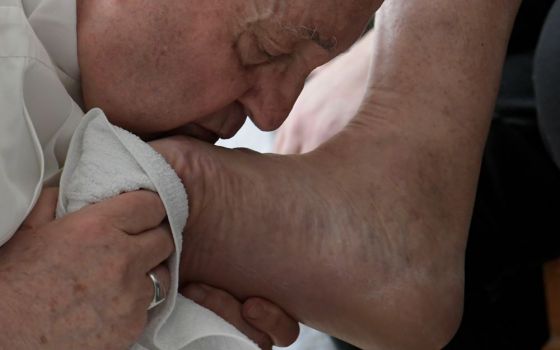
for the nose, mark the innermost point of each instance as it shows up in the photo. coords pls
(271, 98)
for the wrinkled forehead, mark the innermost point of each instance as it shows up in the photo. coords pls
(329, 23)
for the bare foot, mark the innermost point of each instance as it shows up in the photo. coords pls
(342, 245)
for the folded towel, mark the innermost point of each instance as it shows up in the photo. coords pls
(104, 161)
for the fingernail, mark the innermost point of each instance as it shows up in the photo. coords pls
(195, 293)
(256, 311)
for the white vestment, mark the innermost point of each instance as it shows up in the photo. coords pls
(40, 108)
(39, 92)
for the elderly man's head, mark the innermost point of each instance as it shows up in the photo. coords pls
(159, 65)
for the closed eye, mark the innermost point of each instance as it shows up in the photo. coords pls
(250, 51)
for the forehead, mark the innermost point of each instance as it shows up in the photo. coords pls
(326, 22)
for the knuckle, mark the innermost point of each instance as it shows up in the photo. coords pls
(151, 206)
(153, 200)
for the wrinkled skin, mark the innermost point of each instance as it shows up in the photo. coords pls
(363, 238)
(160, 67)
(81, 282)
(211, 63)
(51, 272)
(199, 70)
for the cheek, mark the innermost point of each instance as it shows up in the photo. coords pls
(202, 84)
(212, 80)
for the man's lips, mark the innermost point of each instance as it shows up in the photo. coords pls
(198, 132)
(212, 129)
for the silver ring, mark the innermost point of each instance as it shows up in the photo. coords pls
(159, 292)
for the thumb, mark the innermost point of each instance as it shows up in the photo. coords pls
(44, 210)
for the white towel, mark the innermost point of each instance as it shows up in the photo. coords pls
(104, 161)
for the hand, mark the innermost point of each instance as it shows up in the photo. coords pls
(329, 100)
(260, 320)
(81, 282)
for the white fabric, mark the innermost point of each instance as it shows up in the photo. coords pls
(39, 111)
(104, 161)
(37, 114)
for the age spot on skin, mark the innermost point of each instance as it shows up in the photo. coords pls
(53, 305)
(43, 339)
(79, 288)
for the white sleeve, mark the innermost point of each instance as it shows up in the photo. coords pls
(21, 158)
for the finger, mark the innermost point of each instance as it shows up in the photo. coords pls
(271, 320)
(227, 307)
(132, 212)
(152, 247)
(44, 210)
(161, 273)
